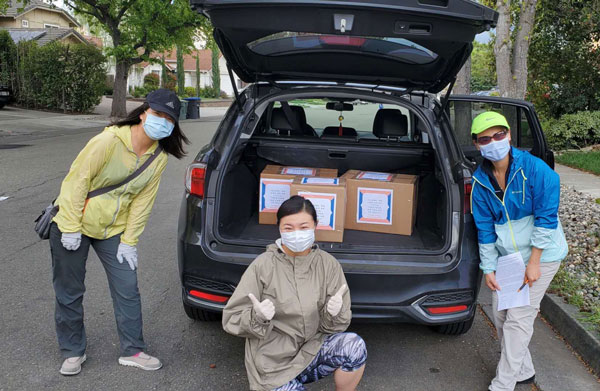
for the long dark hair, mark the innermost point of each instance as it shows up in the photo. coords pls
(296, 204)
(172, 145)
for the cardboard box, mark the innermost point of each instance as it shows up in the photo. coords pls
(275, 184)
(380, 202)
(328, 195)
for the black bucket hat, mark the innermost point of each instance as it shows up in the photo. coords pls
(165, 101)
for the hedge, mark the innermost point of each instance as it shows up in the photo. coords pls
(58, 76)
(573, 130)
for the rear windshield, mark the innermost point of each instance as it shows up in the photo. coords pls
(359, 120)
(288, 42)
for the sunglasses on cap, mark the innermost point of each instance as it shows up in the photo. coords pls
(484, 140)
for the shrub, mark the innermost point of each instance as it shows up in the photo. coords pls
(573, 130)
(171, 81)
(189, 91)
(59, 76)
(152, 80)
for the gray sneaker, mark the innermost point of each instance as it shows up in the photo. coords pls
(72, 365)
(141, 360)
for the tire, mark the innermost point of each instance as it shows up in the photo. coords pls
(457, 328)
(200, 314)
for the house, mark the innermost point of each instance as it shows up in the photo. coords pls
(226, 85)
(139, 71)
(41, 22)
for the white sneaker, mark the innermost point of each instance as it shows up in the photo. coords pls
(141, 360)
(72, 365)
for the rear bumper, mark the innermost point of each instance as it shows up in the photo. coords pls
(375, 297)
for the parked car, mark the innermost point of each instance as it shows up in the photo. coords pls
(393, 57)
(6, 96)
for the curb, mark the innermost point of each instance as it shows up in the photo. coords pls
(564, 318)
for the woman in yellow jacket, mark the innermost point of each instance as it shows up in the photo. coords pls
(111, 223)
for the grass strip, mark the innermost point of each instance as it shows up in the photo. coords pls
(586, 161)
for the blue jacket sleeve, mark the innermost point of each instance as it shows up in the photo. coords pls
(486, 231)
(544, 185)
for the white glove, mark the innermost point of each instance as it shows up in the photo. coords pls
(71, 240)
(265, 310)
(334, 305)
(128, 253)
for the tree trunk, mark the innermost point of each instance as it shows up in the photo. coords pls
(511, 58)
(119, 103)
(503, 49)
(521, 48)
(463, 80)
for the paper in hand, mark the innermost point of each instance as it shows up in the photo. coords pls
(510, 274)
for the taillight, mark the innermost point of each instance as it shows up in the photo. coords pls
(446, 310)
(468, 188)
(209, 296)
(194, 179)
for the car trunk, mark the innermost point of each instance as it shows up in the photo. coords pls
(238, 200)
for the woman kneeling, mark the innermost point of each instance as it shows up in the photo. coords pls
(293, 305)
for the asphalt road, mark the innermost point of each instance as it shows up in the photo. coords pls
(401, 357)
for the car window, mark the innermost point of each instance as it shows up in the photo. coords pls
(463, 112)
(526, 135)
(294, 42)
(360, 118)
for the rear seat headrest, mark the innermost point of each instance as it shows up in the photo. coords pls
(390, 123)
(279, 121)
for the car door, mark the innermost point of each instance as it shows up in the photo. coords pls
(526, 131)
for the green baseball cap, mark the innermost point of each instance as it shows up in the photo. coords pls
(487, 120)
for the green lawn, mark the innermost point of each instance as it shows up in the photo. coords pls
(587, 161)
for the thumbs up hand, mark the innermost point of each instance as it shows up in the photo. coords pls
(265, 310)
(334, 306)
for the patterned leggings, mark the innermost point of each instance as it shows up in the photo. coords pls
(345, 351)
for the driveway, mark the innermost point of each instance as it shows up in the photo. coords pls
(401, 357)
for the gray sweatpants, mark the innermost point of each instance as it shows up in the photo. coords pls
(68, 275)
(515, 328)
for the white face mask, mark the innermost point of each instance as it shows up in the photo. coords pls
(298, 241)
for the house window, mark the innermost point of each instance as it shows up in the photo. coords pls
(51, 26)
(25, 23)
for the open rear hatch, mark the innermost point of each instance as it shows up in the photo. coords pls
(415, 44)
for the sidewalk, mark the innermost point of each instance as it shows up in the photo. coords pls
(580, 180)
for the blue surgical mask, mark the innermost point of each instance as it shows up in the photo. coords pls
(496, 150)
(157, 127)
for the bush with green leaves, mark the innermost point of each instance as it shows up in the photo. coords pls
(152, 80)
(573, 130)
(8, 60)
(60, 76)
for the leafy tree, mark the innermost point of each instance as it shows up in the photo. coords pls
(565, 57)
(197, 73)
(511, 47)
(137, 28)
(180, 71)
(483, 66)
(8, 60)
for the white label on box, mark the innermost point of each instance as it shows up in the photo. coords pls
(319, 181)
(299, 171)
(273, 193)
(376, 176)
(374, 206)
(325, 206)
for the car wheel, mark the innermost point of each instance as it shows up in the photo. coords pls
(457, 328)
(200, 314)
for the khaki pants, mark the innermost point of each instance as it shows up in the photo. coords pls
(515, 328)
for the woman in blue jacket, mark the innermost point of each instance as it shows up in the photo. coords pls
(514, 201)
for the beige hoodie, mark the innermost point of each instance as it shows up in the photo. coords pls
(300, 287)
